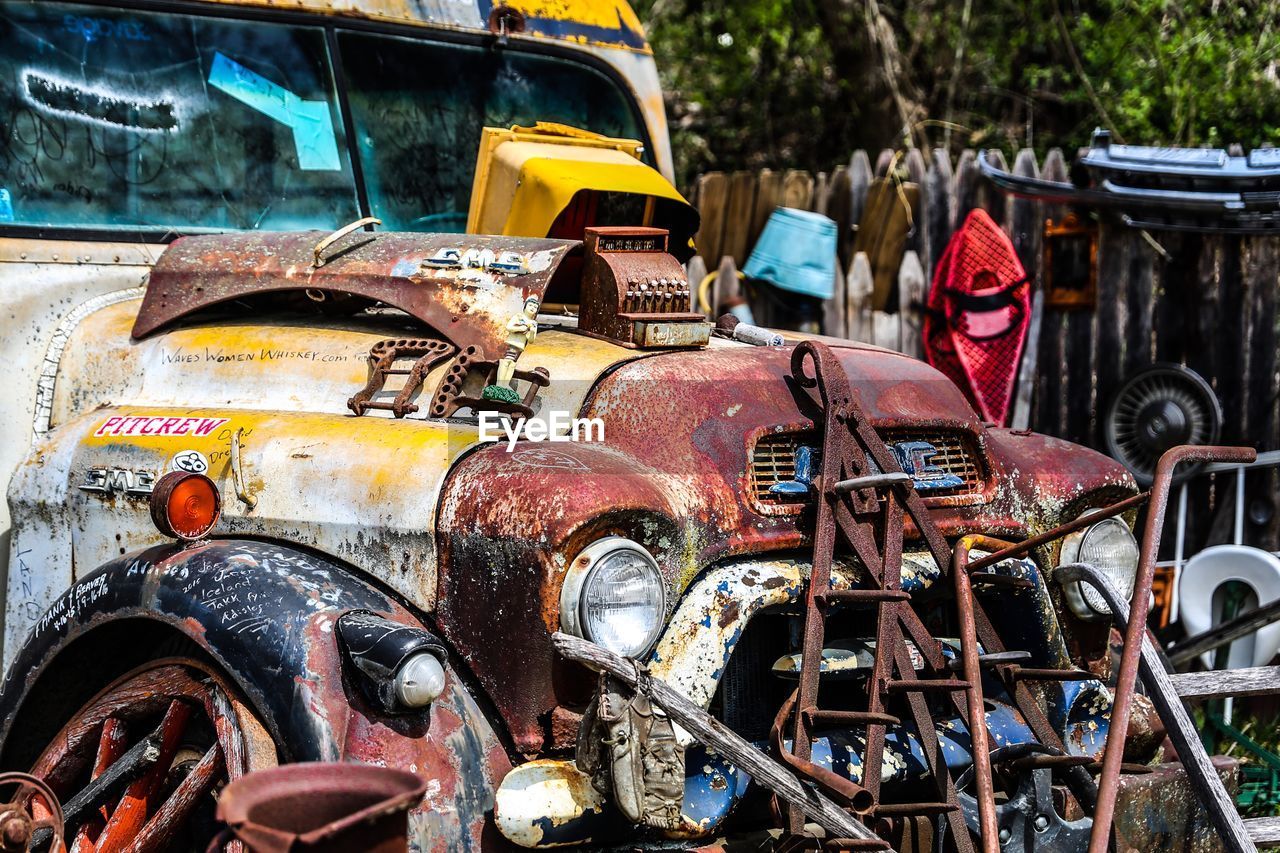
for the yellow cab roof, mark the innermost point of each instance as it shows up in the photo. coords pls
(600, 23)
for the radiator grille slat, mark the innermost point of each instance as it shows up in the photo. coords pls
(773, 461)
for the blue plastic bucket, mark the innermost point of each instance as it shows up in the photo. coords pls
(796, 252)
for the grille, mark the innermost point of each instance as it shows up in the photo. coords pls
(773, 461)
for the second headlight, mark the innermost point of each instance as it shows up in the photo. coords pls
(614, 596)
(1110, 546)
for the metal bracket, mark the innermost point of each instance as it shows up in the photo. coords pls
(452, 394)
(382, 358)
(339, 234)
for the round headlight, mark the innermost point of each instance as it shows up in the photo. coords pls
(1111, 548)
(614, 596)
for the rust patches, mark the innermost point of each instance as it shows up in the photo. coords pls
(468, 302)
(1159, 810)
(728, 613)
(673, 478)
(564, 727)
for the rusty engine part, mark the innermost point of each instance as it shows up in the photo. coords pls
(322, 807)
(26, 821)
(428, 352)
(468, 382)
(636, 294)
(1028, 819)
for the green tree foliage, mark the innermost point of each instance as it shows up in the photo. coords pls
(800, 83)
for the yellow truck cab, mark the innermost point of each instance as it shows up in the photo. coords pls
(126, 125)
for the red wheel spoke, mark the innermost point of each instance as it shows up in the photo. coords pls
(131, 813)
(141, 696)
(121, 761)
(111, 745)
(162, 827)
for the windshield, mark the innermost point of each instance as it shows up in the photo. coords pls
(115, 120)
(163, 121)
(419, 107)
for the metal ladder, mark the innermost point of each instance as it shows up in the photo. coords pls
(863, 494)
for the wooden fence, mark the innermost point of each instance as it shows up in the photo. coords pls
(1205, 301)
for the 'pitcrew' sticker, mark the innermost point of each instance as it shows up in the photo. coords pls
(155, 426)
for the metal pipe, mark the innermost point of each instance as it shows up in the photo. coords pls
(1267, 459)
(1226, 632)
(978, 737)
(1135, 632)
(1239, 525)
(1182, 732)
(1028, 545)
(1179, 547)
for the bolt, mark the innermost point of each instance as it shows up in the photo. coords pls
(15, 832)
(1005, 835)
(1041, 823)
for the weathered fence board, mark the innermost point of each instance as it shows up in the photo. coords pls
(1207, 301)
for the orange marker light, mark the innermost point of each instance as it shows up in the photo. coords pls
(185, 506)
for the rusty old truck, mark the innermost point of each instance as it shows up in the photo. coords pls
(291, 505)
(503, 511)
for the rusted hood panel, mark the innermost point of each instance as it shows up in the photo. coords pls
(672, 474)
(470, 304)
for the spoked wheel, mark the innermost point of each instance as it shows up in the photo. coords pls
(138, 767)
(31, 809)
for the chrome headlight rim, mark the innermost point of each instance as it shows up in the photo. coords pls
(584, 568)
(1075, 594)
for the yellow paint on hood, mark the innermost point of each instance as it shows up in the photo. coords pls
(277, 364)
(609, 23)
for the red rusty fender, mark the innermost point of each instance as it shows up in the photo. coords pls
(466, 287)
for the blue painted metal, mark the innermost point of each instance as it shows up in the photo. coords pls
(914, 458)
(802, 482)
(713, 787)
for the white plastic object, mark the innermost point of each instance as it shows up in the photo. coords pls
(1201, 607)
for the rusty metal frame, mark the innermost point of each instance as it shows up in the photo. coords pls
(427, 352)
(1135, 631)
(864, 497)
(1198, 766)
(857, 469)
